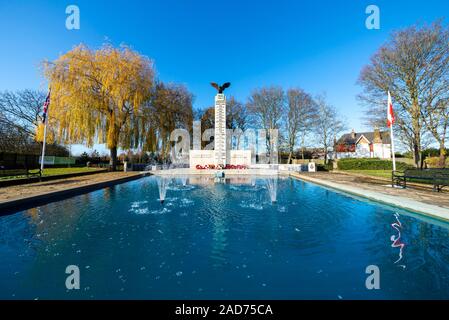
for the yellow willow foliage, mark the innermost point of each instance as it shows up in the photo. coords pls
(151, 141)
(40, 134)
(98, 95)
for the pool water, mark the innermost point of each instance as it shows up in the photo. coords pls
(223, 240)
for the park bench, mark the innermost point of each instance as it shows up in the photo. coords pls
(19, 165)
(439, 178)
(8, 171)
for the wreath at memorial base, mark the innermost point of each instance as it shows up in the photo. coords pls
(221, 167)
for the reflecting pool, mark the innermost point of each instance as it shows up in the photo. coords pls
(221, 239)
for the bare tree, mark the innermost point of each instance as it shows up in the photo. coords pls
(413, 65)
(266, 107)
(302, 112)
(12, 137)
(169, 108)
(436, 119)
(236, 114)
(435, 92)
(236, 118)
(207, 119)
(328, 125)
(22, 110)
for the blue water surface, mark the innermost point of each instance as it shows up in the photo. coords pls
(215, 240)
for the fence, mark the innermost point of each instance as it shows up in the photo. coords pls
(18, 161)
(58, 161)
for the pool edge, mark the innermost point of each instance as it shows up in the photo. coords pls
(12, 206)
(414, 206)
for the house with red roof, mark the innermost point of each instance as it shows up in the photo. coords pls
(376, 144)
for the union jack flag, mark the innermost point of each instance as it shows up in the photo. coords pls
(46, 104)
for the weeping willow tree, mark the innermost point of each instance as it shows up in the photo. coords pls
(99, 96)
(169, 108)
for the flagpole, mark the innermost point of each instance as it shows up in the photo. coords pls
(43, 146)
(45, 121)
(392, 147)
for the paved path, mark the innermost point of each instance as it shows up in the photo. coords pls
(423, 200)
(18, 194)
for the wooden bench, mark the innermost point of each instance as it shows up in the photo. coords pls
(439, 178)
(12, 164)
(11, 171)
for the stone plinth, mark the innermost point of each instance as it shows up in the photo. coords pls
(240, 157)
(201, 157)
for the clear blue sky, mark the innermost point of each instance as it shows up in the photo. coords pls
(318, 45)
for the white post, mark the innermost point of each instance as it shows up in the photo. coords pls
(43, 145)
(392, 147)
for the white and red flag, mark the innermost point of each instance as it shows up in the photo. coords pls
(390, 122)
(390, 113)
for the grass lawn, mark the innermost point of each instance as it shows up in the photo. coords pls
(386, 174)
(373, 173)
(57, 171)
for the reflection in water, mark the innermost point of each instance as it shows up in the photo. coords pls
(162, 184)
(272, 186)
(397, 240)
(219, 237)
(34, 214)
(107, 194)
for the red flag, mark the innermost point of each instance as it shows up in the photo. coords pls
(390, 113)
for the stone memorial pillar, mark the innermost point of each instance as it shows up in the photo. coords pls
(220, 130)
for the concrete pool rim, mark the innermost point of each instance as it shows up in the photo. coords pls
(404, 203)
(15, 205)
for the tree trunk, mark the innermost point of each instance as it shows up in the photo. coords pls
(289, 157)
(416, 135)
(442, 162)
(302, 146)
(416, 157)
(416, 154)
(325, 154)
(113, 161)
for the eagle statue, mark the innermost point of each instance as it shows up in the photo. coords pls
(221, 88)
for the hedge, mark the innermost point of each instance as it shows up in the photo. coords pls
(434, 162)
(369, 164)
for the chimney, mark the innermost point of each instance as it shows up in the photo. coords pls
(353, 135)
(377, 138)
